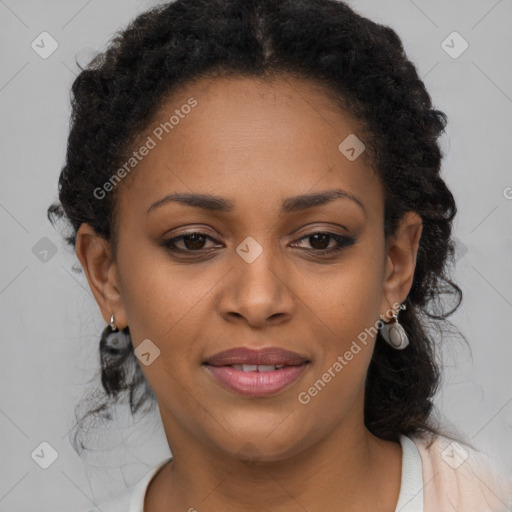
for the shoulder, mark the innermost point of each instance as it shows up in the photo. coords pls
(457, 476)
(132, 499)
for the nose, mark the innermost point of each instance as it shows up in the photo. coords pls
(258, 292)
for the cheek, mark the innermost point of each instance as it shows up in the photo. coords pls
(346, 315)
(348, 298)
(159, 295)
(346, 311)
(163, 303)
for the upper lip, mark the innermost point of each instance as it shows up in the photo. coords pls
(264, 356)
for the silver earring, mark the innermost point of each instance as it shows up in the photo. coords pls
(393, 333)
(112, 323)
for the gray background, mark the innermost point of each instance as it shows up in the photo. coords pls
(50, 323)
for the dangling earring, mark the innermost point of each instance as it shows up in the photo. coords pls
(393, 333)
(112, 323)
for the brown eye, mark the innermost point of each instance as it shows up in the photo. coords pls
(192, 242)
(319, 241)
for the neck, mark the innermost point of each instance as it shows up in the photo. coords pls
(349, 470)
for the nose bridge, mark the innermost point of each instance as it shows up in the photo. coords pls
(257, 289)
(257, 265)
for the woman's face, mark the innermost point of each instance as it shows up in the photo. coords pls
(256, 276)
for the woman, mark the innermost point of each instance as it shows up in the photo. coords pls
(255, 197)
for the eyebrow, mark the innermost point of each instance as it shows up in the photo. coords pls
(289, 205)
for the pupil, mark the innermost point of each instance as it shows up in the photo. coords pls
(315, 240)
(196, 239)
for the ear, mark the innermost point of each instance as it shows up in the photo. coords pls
(402, 249)
(95, 255)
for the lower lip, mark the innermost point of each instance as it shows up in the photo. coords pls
(256, 383)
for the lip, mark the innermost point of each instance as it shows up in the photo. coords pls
(256, 383)
(264, 356)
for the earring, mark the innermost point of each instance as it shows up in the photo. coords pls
(112, 323)
(393, 333)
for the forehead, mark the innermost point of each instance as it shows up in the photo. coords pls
(249, 140)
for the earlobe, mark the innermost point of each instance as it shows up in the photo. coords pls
(95, 256)
(401, 258)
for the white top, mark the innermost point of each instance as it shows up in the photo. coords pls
(433, 480)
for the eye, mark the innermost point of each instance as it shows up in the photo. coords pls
(193, 242)
(320, 242)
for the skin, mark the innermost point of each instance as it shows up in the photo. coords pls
(257, 143)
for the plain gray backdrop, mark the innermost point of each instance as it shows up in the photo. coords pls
(50, 323)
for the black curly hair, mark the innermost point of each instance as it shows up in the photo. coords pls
(364, 66)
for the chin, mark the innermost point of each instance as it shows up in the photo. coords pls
(264, 448)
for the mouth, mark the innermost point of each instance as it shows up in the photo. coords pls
(266, 359)
(257, 367)
(256, 373)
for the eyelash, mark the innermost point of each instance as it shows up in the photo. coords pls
(342, 242)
